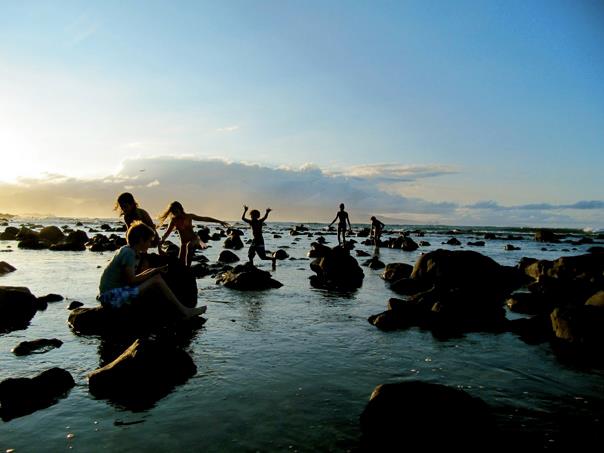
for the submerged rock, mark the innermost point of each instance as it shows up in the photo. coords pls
(36, 346)
(396, 271)
(22, 396)
(413, 415)
(5, 268)
(247, 277)
(142, 374)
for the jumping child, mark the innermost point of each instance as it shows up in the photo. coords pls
(257, 246)
(183, 222)
(121, 286)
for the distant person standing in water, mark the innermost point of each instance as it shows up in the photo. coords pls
(342, 218)
(257, 246)
(128, 208)
(376, 230)
(183, 222)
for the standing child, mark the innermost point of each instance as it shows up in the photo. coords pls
(257, 246)
(376, 230)
(342, 218)
(128, 207)
(121, 286)
(183, 222)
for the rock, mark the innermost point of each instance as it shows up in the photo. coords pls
(409, 245)
(22, 396)
(361, 253)
(510, 247)
(226, 256)
(424, 244)
(364, 232)
(75, 304)
(595, 249)
(102, 243)
(318, 250)
(32, 243)
(490, 236)
(105, 227)
(281, 254)
(336, 270)
(233, 242)
(414, 415)
(528, 303)
(544, 235)
(453, 241)
(247, 277)
(476, 244)
(74, 242)
(17, 307)
(5, 268)
(142, 374)
(321, 240)
(49, 298)
(36, 346)
(396, 271)
(51, 234)
(597, 300)
(374, 263)
(9, 234)
(204, 234)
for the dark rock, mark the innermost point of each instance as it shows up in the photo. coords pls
(476, 244)
(409, 245)
(51, 234)
(75, 304)
(105, 227)
(414, 415)
(49, 298)
(5, 268)
(336, 270)
(281, 254)
(544, 235)
(9, 234)
(32, 243)
(528, 303)
(204, 234)
(490, 236)
(321, 240)
(396, 271)
(374, 263)
(226, 256)
(142, 374)
(17, 307)
(277, 236)
(361, 253)
(36, 346)
(510, 247)
(424, 244)
(22, 396)
(74, 242)
(318, 250)
(453, 241)
(364, 232)
(247, 277)
(233, 241)
(595, 249)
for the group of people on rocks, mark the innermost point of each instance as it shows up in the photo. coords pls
(128, 278)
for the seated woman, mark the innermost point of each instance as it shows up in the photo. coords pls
(120, 285)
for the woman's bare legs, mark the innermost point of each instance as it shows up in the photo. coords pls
(157, 283)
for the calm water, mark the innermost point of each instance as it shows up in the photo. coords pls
(285, 369)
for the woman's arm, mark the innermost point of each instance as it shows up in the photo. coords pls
(168, 231)
(243, 215)
(208, 219)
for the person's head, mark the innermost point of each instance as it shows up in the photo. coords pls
(174, 209)
(125, 203)
(341, 206)
(255, 214)
(139, 233)
(373, 218)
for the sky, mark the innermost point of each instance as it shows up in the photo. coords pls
(462, 113)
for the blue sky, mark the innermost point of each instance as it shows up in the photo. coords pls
(469, 101)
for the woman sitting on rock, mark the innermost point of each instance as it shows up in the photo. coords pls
(183, 222)
(121, 286)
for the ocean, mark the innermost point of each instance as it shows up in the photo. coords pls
(287, 369)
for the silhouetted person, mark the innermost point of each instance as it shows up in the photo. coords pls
(342, 218)
(257, 246)
(376, 230)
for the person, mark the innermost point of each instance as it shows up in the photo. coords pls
(121, 286)
(183, 222)
(257, 246)
(376, 230)
(342, 218)
(128, 208)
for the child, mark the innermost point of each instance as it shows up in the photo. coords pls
(183, 222)
(343, 218)
(376, 230)
(257, 246)
(128, 208)
(121, 286)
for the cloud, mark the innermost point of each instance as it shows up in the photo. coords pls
(227, 129)
(219, 188)
(396, 173)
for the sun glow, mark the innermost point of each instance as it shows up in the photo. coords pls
(19, 158)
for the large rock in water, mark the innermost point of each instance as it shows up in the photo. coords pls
(22, 396)
(142, 374)
(247, 277)
(452, 291)
(51, 234)
(421, 416)
(336, 270)
(17, 307)
(141, 317)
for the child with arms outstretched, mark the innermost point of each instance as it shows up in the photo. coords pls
(183, 222)
(257, 246)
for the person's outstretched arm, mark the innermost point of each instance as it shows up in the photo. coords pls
(200, 218)
(266, 214)
(333, 221)
(243, 215)
(168, 231)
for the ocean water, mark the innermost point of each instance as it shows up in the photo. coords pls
(288, 369)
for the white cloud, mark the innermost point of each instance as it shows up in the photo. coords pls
(219, 188)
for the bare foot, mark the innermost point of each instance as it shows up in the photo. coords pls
(191, 312)
(274, 263)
